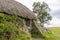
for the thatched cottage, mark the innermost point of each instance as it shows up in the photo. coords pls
(13, 7)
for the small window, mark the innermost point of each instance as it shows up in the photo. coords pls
(27, 22)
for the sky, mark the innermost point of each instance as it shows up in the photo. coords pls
(54, 6)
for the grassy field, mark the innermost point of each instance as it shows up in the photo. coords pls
(56, 32)
(53, 34)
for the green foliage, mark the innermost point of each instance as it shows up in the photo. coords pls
(10, 32)
(49, 35)
(10, 18)
(21, 21)
(42, 9)
(5, 17)
(35, 32)
(8, 29)
(46, 36)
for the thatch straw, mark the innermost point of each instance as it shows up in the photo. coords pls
(14, 7)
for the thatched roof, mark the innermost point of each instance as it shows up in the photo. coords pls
(14, 7)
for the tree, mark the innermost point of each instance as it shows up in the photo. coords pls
(42, 10)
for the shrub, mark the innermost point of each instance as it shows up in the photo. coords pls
(35, 32)
(8, 29)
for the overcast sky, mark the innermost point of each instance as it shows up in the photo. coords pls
(54, 6)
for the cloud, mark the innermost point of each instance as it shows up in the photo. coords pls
(56, 13)
(55, 22)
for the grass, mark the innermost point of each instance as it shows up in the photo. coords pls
(56, 32)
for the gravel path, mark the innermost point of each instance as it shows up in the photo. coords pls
(37, 39)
